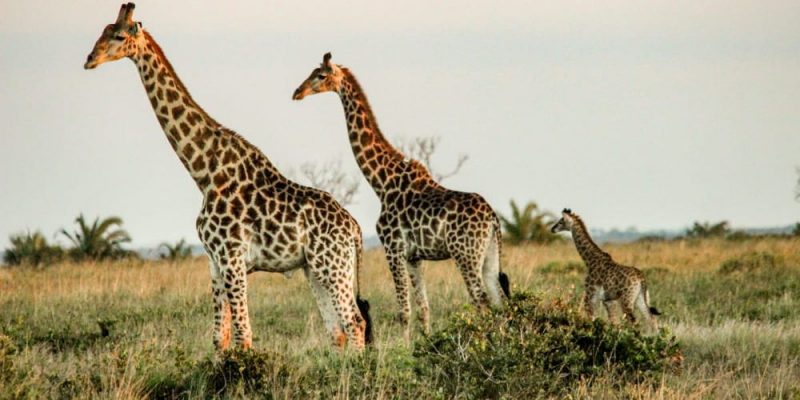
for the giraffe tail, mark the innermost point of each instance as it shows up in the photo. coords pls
(653, 310)
(363, 305)
(502, 277)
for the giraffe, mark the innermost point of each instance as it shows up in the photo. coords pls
(419, 219)
(252, 217)
(607, 281)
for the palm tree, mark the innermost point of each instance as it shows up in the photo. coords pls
(31, 249)
(178, 251)
(528, 224)
(98, 241)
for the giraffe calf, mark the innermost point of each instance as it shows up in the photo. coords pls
(607, 281)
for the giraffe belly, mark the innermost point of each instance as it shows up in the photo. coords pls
(274, 259)
(426, 247)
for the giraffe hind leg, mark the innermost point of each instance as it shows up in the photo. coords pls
(492, 277)
(326, 310)
(471, 271)
(644, 308)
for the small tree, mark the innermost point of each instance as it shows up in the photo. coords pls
(31, 249)
(102, 239)
(708, 230)
(528, 224)
(329, 177)
(422, 149)
(177, 252)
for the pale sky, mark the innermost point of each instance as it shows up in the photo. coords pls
(646, 114)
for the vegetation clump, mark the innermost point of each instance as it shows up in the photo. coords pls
(566, 267)
(31, 249)
(533, 348)
(246, 371)
(750, 262)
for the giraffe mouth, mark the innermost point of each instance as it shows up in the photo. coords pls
(300, 93)
(91, 62)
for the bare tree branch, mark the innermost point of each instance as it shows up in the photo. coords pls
(330, 177)
(797, 186)
(422, 149)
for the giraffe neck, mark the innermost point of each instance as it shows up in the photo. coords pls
(587, 248)
(376, 157)
(202, 144)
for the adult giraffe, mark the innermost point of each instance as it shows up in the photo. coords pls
(253, 218)
(420, 219)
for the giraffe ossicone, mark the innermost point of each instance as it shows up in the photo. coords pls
(420, 219)
(253, 218)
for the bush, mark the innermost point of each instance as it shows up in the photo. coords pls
(750, 262)
(533, 349)
(246, 371)
(31, 249)
(708, 230)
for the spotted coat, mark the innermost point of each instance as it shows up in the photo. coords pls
(252, 217)
(419, 219)
(607, 281)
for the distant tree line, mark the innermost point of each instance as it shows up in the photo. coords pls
(100, 240)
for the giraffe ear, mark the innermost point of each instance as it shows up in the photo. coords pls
(326, 60)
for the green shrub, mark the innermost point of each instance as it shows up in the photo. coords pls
(532, 349)
(7, 351)
(751, 262)
(241, 372)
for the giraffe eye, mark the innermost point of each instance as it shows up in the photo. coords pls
(320, 77)
(119, 37)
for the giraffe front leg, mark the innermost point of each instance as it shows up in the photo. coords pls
(420, 295)
(222, 310)
(234, 275)
(397, 265)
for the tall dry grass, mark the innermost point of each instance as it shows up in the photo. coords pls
(740, 332)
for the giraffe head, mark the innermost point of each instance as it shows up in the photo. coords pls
(566, 221)
(325, 78)
(118, 40)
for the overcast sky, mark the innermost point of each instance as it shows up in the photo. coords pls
(646, 114)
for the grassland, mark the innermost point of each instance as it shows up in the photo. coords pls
(143, 329)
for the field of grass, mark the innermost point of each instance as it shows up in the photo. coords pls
(143, 329)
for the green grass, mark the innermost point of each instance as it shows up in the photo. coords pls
(143, 330)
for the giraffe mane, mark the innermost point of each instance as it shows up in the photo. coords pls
(211, 121)
(585, 231)
(178, 83)
(367, 107)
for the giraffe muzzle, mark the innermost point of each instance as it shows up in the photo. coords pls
(90, 62)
